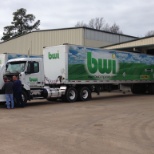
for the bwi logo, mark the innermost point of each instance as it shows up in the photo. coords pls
(53, 55)
(101, 66)
(33, 79)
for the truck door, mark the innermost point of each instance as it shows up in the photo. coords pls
(34, 74)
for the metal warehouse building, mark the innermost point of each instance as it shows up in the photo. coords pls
(35, 41)
(142, 45)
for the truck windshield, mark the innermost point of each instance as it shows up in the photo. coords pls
(16, 67)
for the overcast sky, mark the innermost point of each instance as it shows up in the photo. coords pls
(135, 17)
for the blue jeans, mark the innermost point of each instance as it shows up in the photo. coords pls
(9, 98)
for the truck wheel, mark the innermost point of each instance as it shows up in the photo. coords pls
(134, 89)
(71, 94)
(84, 94)
(24, 97)
(151, 89)
(138, 89)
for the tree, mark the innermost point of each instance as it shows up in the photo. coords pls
(100, 24)
(80, 24)
(106, 27)
(115, 29)
(97, 23)
(8, 32)
(149, 33)
(21, 24)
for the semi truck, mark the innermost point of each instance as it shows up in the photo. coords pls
(4, 57)
(72, 73)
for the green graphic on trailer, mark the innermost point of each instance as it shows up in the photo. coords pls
(101, 65)
(95, 64)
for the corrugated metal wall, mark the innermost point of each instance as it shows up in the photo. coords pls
(101, 38)
(35, 41)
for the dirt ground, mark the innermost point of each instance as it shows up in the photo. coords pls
(112, 123)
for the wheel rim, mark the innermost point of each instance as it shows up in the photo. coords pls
(72, 95)
(23, 97)
(85, 94)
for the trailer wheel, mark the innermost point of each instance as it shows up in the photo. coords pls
(71, 94)
(151, 89)
(84, 94)
(138, 89)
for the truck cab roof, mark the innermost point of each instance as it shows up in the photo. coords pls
(25, 59)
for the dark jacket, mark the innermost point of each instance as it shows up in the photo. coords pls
(8, 87)
(17, 86)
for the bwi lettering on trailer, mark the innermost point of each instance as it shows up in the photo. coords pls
(101, 65)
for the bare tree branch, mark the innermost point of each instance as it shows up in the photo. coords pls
(100, 24)
(149, 33)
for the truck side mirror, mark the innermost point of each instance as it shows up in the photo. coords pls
(27, 72)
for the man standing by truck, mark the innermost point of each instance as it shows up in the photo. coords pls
(8, 88)
(17, 91)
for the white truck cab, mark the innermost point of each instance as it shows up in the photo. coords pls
(30, 72)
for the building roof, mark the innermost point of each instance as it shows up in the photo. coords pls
(139, 42)
(69, 29)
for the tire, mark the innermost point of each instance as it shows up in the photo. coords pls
(84, 94)
(71, 95)
(138, 89)
(24, 97)
(151, 89)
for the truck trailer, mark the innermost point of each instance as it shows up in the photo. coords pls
(72, 73)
